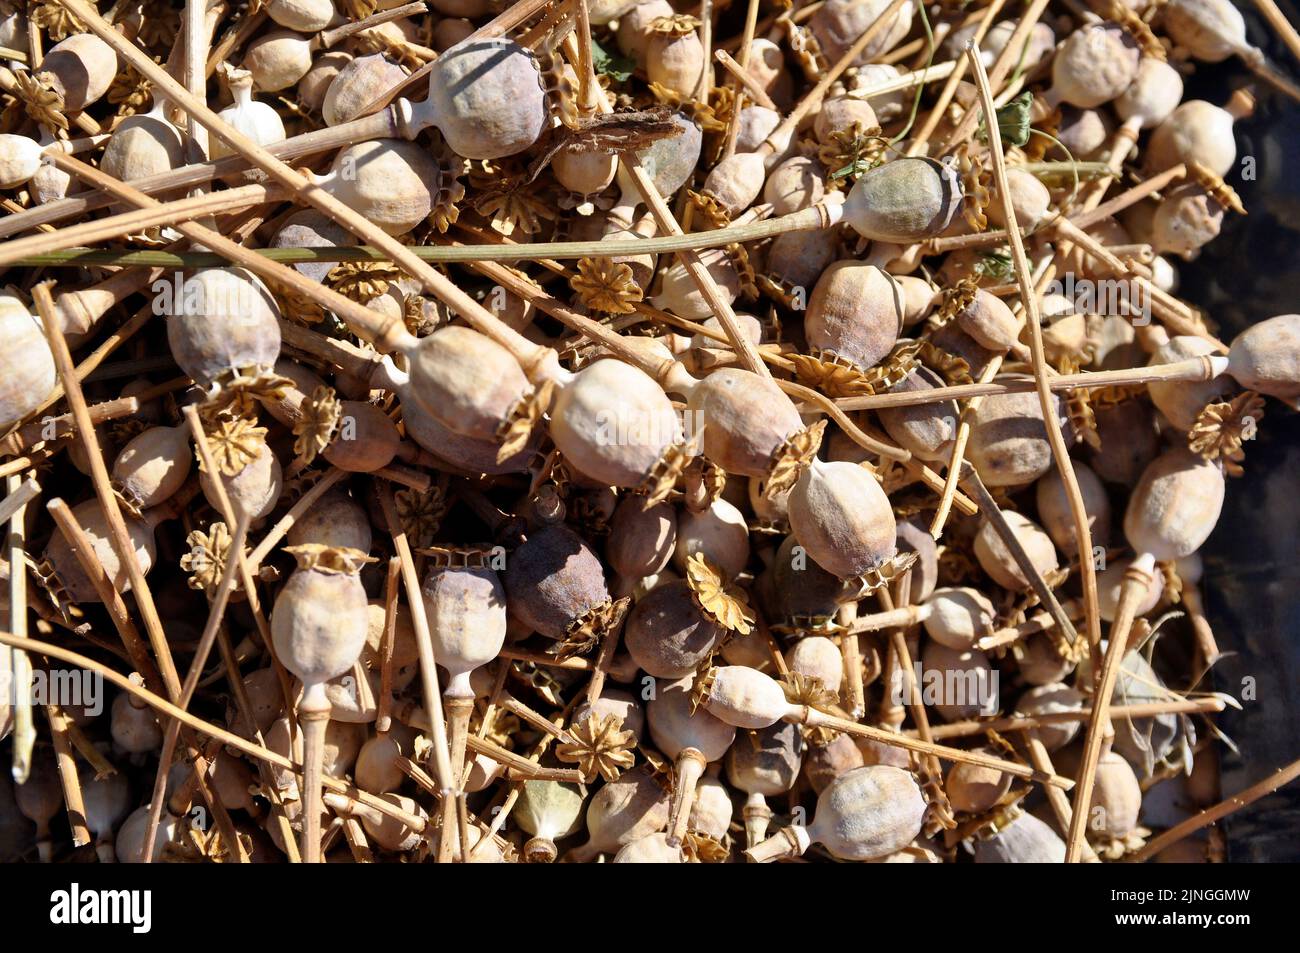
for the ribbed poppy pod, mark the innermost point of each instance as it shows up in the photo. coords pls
(988, 320)
(1182, 401)
(763, 764)
(1008, 441)
(927, 430)
(1095, 64)
(1266, 357)
(1186, 221)
(72, 580)
(222, 323)
(823, 763)
(27, 372)
(467, 381)
(996, 560)
(143, 145)
(386, 180)
(817, 657)
(152, 466)
(842, 517)
(80, 69)
(550, 811)
(904, 201)
(974, 789)
(719, 533)
(839, 113)
(748, 421)
(358, 84)
(756, 124)
(965, 681)
(1031, 201)
(486, 98)
(1050, 699)
(855, 312)
(837, 25)
(668, 634)
(335, 520)
(691, 738)
(674, 55)
(634, 27)
(256, 120)
(795, 184)
(461, 452)
(652, 849)
(556, 586)
(1054, 508)
(866, 814)
(641, 538)
(1198, 131)
(736, 181)
(1175, 505)
(633, 806)
(614, 424)
(1026, 840)
(958, 617)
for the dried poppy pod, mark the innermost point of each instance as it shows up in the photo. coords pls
(39, 798)
(1110, 585)
(107, 801)
(222, 325)
(1186, 221)
(1054, 508)
(616, 425)
(389, 181)
(674, 55)
(1117, 799)
(995, 558)
(868, 813)
(692, 738)
(641, 538)
(974, 789)
(839, 113)
(1052, 698)
(1266, 357)
(1025, 840)
(1128, 434)
(927, 430)
(855, 313)
(319, 627)
(796, 260)
(80, 69)
(837, 24)
(253, 487)
(256, 120)
(1030, 200)
(315, 83)
(134, 832)
(634, 27)
(467, 381)
(134, 726)
(756, 124)
(465, 453)
(765, 764)
(718, 533)
(807, 596)
(556, 586)
(358, 84)
(1198, 131)
(307, 16)
(842, 517)
(795, 184)
(1175, 505)
(669, 162)
(1182, 401)
(22, 158)
(466, 609)
(1095, 64)
(1085, 132)
(353, 435)
(823, 763)
(629, 808)
(967, 682)
(1008, 441)
(335, 520)
(1151, 98)
(652, 849)
(817, 657)
(550, 811)
(1209, 30)
(152, 466)
(903, 201)
(679, 293)
(27, 372)
(958, 617)
(668, 634)
(143, 145)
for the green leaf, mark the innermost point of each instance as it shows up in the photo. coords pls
(1013, 121)
(618, 68)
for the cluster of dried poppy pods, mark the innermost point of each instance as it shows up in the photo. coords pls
(615, 429)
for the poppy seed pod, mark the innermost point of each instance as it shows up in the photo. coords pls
(674, 55)
(1175, 505)
(1008, 440)
(865, 814)
(747, 420)
(766, 764)
(1128, 432)
(466, 608)
(842, 517)
(806, 594)
(466, 453)
(1118, 794)
(837, 24)
(75, 584)
(679, 293)
(1186, 221)
(798, 259)
(307, 16)
(1197, 131)
(336, 520)
(1025, 840)
(1054, 508)
(1182, 401)
(549, 811)
(822, 764)
(1210, 30)
(277, 60)
(795, 184)
(958, 617)
(668, 634)
(466, 380)
(969, 682)
(995, 558)
(614, 423)
(80, 69)
(221, 322)
(641, 538)
(974, 789)
(904, 201)
(756, 124)
(692, 737)
(556, 585)
(629, 808)
(357, 85)
(1152, 97)
(839, 114)
(817, 657)
(1266, 357)
(669, 162)
(735, 182)
(914, 537)
(1049, 699)
(486, 97)
(27, 372)
(143, 145)
(719, 533)
(152, 466)
(256, 120)
(652, 849)
(988, 320)
(1094, 65)
(856, 312)
(634, 27)
(386, 180)
(927, 430)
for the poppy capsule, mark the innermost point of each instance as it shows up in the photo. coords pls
(842, 517)
(692, 737)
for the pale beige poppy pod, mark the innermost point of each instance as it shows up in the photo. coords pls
(927, 430)
(1266, 357)
(995, 558)
(320, 618)
(973, 788)
(988, 320)
(1197, 131)
(221, 321)
(550, 811)
(720, 533)
(1175, 505)
(316, 82)
(634, 27)
(1031, 201)
(1186, 221)
(27, 372)
(1008, 441)
(1052, 698)
(674, 55)
(958, 617)
(1056, 515)
(143, 145)
(856, 311)
(306, 16)
(627, 809)
(386, 180)
(1025, 840)
(838, 24)
(1210, 30)
(963, 678)
(817, 657)
(795, 184)
(839, 113)
(1093, 65)
(360, 82)
(651, 849)
(747, 418)
(842, 517)
(153, 465)
(80, 69)
(76, 584)
(1182, 401)
(486, 97)
(255, 119)
(278, 59)
(254, 490)
(467, 381)
(466, 609)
